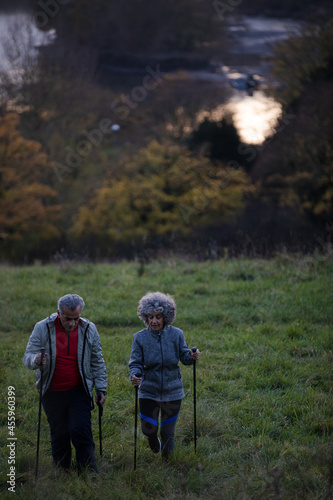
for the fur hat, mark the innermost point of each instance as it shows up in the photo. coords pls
(157, 302)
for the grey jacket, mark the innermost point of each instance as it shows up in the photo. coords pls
(155, 356)
(90, 357)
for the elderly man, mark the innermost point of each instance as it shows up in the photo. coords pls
(72, 365)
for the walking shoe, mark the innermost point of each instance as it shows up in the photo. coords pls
(155, 444)
(166, 455)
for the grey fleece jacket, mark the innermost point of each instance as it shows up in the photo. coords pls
(90, 358)
(155, 356)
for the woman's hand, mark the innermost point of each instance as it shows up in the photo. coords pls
(195, 355)
(136, 381)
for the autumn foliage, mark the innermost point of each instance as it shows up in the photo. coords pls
(162, 192)
(28, 214)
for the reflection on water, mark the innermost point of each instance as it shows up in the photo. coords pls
(19, 38)
(254, 117)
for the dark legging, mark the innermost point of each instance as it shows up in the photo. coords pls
(149, 412)
(69, 417)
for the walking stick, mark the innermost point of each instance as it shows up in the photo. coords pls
(42, 351)
(100, 414)
(136, 420)
(195, 402)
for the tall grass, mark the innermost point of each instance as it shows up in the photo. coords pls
(264, 380)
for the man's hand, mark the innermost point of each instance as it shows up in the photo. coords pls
(100, 399)
(38, 359)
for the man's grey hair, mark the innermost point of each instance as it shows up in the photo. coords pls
(157, 302)
(71, 300)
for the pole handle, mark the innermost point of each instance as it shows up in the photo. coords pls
(100, 408)
(42, 352)
(138, 375)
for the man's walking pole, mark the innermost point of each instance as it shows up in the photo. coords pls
(195, 401)
(42, 351)
(136, 419)
(100, 414)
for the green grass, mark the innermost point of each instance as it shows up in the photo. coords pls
(264, 380)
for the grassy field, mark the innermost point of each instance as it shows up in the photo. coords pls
(264, 379)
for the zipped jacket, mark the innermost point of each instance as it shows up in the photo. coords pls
(90, 358)
(155, 356)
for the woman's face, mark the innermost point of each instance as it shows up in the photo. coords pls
(156, 321)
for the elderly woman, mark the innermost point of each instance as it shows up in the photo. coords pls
(153, 365)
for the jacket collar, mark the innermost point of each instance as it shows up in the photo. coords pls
(156, 333)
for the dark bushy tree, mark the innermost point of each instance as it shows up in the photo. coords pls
(294, 172)
(220, 137)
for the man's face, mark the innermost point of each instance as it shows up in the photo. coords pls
(69, 319)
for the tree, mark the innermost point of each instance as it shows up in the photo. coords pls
(301, 60)
(293, 174)
(162, 193)
(28, 214)
(221, 137)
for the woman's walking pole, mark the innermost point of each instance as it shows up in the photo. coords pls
(42, 351)
(136, 420)
(195, 401)
(100, 414)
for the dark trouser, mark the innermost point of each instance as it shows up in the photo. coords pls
(69, 417)
(149, 411)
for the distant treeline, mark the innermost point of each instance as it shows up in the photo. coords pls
(297, 9)
(275, 8)
(12, 5)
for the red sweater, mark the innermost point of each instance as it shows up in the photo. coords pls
(66, 372)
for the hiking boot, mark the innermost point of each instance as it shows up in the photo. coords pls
(155, 444)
